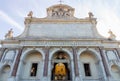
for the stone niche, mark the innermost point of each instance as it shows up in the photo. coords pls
(9, 55)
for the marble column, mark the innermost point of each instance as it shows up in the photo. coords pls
(105, 64)
(2, 52)
(45, 73)
(75, 62)
(17, 62)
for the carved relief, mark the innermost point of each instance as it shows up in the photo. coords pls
(60, 11)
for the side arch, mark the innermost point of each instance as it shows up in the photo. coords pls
(94, 52)
(90, 64)
(115, 70)
(5, 72)
(24, 54)
(31, 58)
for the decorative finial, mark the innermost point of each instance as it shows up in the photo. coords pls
(90, 15)
(60, 1)
(111, 35)
(9, 34)
(30, 14)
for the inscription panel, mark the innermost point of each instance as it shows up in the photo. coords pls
(60, 43)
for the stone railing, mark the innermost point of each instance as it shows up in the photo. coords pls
(99, 79)
(61, 80)
(91, 80)
(30, 80)
(66, 80)
(115, 80)
(40, 80)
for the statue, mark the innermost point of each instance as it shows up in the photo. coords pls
(90, 15)
(60, 71)
(111, 35)
(30, 14)
(9, 34)
(33, 71)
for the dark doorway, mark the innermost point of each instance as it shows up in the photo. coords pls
(61, 77)
(61, 67)
(33, 70)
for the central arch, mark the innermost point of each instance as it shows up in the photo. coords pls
(61, 66)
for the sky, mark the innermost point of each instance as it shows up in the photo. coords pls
(13, 12)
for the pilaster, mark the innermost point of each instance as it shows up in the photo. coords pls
(75, 61)
(103, 71)
(105, 63)
(17, 62)
(45, 73)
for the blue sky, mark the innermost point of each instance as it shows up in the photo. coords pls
(13, 12)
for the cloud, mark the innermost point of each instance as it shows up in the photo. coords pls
(108, 19)
(9, 20)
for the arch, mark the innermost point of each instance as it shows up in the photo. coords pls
(63, 50)
(89, 62)
(31, 65)
(61, 58)
(90, 54)
(31, 50)
(115, 69)
(4, 73)
(94, 52)
(31, 54)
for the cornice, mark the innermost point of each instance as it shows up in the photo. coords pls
(64, 43)
(9, 41)
(52, 20)
(111, 41)
(21, 40)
